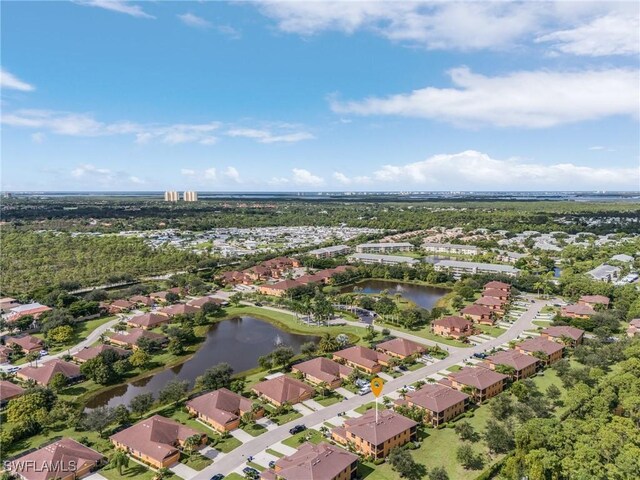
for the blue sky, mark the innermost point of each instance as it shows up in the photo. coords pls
(213, 96)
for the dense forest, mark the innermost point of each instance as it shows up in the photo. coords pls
(117, 214)
(29, 261)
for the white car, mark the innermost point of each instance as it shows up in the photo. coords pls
(364, 391)
(411, 388)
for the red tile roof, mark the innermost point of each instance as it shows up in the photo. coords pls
(45, 372)
(132, 336)
(389, 425)
(9, 390)
(436, 398)
(578, 310)
(324, 369)
(596, 299)
(56, 460)
(564, 331)
(312, 462)
(494, 302)
(362, 356)
(178, 309)
(453, 322)
(283, 389)
(513, 358)
(474, 309)
(477, 377)
(402, 346)
(155, 437)
(221, 405)
(498, 285)
(539, 344)
(149, 320)
(27, 342)
(92, 352)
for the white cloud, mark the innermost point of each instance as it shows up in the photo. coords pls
(229, 31)
(266, 136)
(210, 174)
(232, 174)
(136, 180)
(11, 82)
(187, 171)
(341, 178)
(278, 181)
(470, 170)
(305, 177)
(88, 172)
(89, 169)
(612, 34)
(120, 6)
(195, 21)
(583, 28)
(38, 137)
(84, 125)
(532, 99)
(596, 147)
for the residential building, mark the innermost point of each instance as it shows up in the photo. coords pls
(371, 258)
(323, 370)
(330, 252)
(171, 196)
(9, 391)
(7, 303)
(5, 353)
(594, 301)
(634, 327)
(120, 306)
(64, 459)
(577, 311)
(401, 348)
(155, 441)
(190, 196)
(43, 374)
(458, 268)
(178, 309)
(605, 273)
(439, 402)
(482, 383)
(549, 352)
(34, 310)
(524, 365)
(314, 462)
(384, 247)
(142, 300)
(495, 285)
(495, 293)
(510, 257)
(453, 326)
(202, 301)
(496, 305)
(131, 337)
(284, 389)
(222, 409)
(149, 321)
(451, 248)
(478, 314)
(88, 353)
(572, 334)
(376, 438)
(621, 257)
(279, 289)
(28, 343)
(363, 358)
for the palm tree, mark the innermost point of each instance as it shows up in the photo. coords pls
(323, 387)
(191, 443)
(118, 460)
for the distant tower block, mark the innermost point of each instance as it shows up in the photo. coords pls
(171, 196)
(190, 196)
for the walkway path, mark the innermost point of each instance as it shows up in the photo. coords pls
(268, 439)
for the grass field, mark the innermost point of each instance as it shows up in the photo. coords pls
(491, 331)
(309, 435)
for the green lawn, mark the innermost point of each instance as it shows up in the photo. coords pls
(196, 461)
(286, 418)
(365, 407)
(134, 470)
(454, 368)
(82, 330)
(542, 324)
(254, 429)
(490, 330)
(226, 445)
(424, 332)
(329, 399)
(274, 453)
(309, 435)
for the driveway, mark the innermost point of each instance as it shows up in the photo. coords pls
(181, 470)
(301, 409)
(345, 393)
(94, 476)
(242, 435)
(312, 404)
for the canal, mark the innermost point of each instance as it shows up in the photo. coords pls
(238, 341)
(422, 295)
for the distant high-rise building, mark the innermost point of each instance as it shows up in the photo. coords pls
(190, 196)
(171, 196)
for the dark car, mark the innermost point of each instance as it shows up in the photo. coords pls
(217, 476)
(258, 304)
(272, 463)
(480, 355)
(403, 368)
(251, 472)
(297, 429)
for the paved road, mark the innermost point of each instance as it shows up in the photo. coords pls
(230, 462)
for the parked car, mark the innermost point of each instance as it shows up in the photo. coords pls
(411, 388)
(480, 355)
(403, 368)
(272, 463)
(217, 476)
(44, 352)
(258, 304)
(297, 429)
(251, 472)
(364, 390)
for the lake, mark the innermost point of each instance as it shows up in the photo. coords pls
(238, 341)
(421, 295)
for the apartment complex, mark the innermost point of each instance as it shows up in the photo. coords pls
(171, 196)
(458, 268)
(439, 403)
(330, 252)
(190, 196)
(372, 258)
(376, 438)
(322, 462)
(451, 248)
